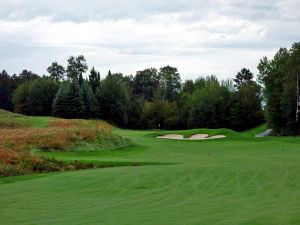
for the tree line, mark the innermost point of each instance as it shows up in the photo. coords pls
(158, 99)
(152, 98)
(280, 77)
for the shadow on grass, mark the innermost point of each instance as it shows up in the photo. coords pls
(89, 165)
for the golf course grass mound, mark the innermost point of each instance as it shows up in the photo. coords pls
(21, 136)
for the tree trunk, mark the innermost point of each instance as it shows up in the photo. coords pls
(298, 106)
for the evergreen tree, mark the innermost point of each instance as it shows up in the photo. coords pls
(244, 76)
(91, 109)
(94, 79)
(26, 75)
(6, 90)
(60, 100)
(69, 102)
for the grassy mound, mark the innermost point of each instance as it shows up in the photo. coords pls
(19, 135)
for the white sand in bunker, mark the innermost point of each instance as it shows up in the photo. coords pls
(198, 136)
(172, 136)
(193, 137)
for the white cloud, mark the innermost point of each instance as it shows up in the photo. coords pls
(215, 37)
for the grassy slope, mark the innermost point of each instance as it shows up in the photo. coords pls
(20, 134)
(23, 121)
(238, 180)
(10, 121)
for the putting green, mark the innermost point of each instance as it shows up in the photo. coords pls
(236, 180)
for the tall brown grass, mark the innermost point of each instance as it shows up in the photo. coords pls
(16, 143)
(59, 135)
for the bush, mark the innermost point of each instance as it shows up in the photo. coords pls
(7, 170)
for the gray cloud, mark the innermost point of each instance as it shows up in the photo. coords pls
(81, 11)
(199, 37)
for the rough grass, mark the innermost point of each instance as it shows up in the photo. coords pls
(19, 135)
(63, 135)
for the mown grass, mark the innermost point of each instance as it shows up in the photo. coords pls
(236, 180)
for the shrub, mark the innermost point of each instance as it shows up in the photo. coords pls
(7, 170)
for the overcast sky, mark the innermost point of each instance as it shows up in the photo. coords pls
(198, 37)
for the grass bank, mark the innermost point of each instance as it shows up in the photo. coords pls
(21, 137)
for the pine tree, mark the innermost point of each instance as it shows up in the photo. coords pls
(69, 102)
(6, 90)
(90, 103)
(94, 79)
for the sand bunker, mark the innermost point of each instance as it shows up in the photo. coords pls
(172, 136)
(198, 136)
(194, 137)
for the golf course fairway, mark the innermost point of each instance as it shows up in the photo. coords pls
(235, 180)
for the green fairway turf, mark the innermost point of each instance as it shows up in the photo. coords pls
(236, 180)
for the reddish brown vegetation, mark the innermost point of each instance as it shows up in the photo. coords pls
(15, 145)
(60, 135)
(15, 157)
